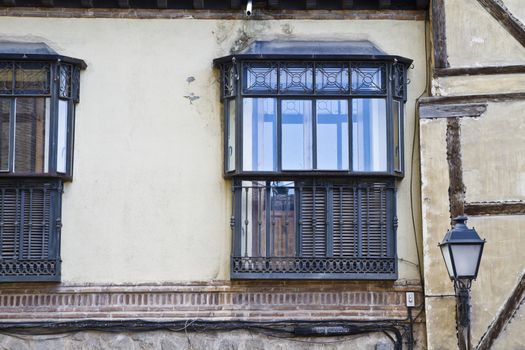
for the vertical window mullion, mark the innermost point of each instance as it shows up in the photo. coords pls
(350, 135)
(20, 204)
(12, 135)
(279, 124)
(314, 132)
(298, 208)
(268, 218)
(329, 209)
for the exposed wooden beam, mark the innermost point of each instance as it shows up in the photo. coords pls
(495, 208)
(450, 72)
(501, 13)
(473, 98)
(311, 4)
(273, 4)
(86, 3)
(429, 111)
(198, 4)
(421, 4)
(235, 4)
(439, 36)
(385, 4)
(123, 3)
(456, 189)
(505, 315)
(162, 4)
(347, 4)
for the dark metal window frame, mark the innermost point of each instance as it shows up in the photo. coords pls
(232, 80)
(296, 264)
(360, 266)
(31, 202)
(21, 265)
(64, 85)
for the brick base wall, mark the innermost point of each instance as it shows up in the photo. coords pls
(208, 301)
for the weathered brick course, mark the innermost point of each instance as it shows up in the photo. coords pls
(227, 300)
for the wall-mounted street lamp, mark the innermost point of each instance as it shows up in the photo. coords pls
(462, 249)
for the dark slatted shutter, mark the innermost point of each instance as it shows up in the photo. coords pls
(313, 221)
(29, 231)
(345, 218)
(374, 220)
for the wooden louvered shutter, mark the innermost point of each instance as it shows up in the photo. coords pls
(345, 219)
(29, 231)
(374, 222)
(313, 202)
(362, 220)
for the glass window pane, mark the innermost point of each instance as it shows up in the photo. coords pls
(369, 135)
(6, 78)
(296, 78)
(253, 218)
(368, 79)
(31, 135)
(331, 78)
(230, 146)
(296, 134)
(397, 135)
(274, 237)
(332, 134)
(62, 136)
(65, 80)
(5, 126)
(259, 134)
(32, 78)
(259, 78)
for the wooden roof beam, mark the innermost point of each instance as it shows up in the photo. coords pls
(123, 3)
(198, 4)
(347, 4)
(385, 4)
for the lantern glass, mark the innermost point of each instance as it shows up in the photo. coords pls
(466, 258)
(448, 261)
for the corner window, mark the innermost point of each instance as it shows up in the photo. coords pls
(38, 93)
(316, 132)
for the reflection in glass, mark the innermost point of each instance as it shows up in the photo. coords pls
(369, 134)
(5, 126)
(32, 77)
(268, 220)
(368, 79)
(259, 77)
(332, 134)
(62, 136)
(296, 134)
(331, 78)
(230, 146)
(31, 134)
(296, 77)
(6, 77)
(259, 134)
(397, 135)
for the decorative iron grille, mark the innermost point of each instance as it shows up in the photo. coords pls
(305, 229)
(30, 230)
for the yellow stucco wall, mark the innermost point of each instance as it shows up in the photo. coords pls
(148, 202)
(493, 169)
(474, 38)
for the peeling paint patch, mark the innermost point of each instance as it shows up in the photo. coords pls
(192, 97)
(287, 29)
(190, 79)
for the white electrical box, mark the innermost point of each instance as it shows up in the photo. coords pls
(411, 299)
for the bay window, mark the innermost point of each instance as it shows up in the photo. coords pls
(313, 145)
(38, 92)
